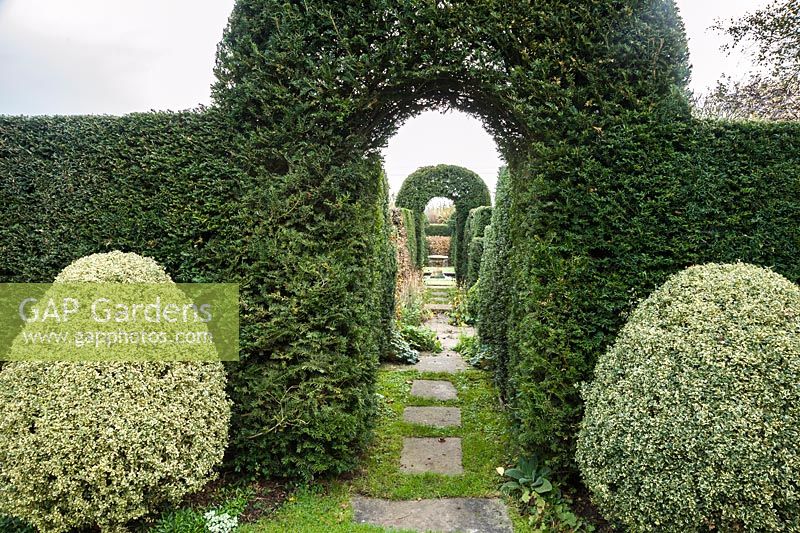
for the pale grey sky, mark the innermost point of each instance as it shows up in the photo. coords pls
(119, 56)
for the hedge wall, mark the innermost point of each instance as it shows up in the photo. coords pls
(474, 263)
(477, 220)
(437, 230)
(494, 290)
(464, 187)
(645, 200)
(188, 190)
(438, 245)
(422, 241)
(612, 186)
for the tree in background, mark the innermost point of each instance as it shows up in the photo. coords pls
(758, 97)
(439, 210)
(772, 34)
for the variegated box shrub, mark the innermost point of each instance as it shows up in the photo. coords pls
(693, 420)
(86, 444)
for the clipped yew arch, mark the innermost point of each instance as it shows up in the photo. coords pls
(318, 87)
(464, 187)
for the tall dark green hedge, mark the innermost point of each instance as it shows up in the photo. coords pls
(494, 290)
(310, 250)
(645, 200)
(464, 187)
(477, 221)
(422, 241)
(612, 186)
(476, 247)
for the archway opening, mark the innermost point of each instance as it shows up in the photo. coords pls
(464, 187)
(439, 219)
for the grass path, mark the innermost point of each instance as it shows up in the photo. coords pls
(484, 431)
(326, 507)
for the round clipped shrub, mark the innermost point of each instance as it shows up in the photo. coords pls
(693, 420)
(86, 444)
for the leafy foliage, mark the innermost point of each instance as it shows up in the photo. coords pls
(528, 478)
(464, 187)
(421, 338)
(757, 98)
(437, 230)
(471, 349)
(775, 32)
(400, 351)
(477, 220)
(14, 525)
(464, 308)
(438, 245)
(493, 298)
(198, 194)
(411, 306)
(548, 511)
(99, 444)
(691, 422)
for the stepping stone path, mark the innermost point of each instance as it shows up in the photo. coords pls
(447, 515)
(439, 417)
(444, 362)
(438, 455)
(433, 390)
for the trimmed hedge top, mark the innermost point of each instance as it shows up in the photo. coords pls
(437, 230)
(465, 188)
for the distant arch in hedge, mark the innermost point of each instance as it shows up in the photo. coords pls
(464, 187)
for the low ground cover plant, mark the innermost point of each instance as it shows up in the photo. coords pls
(475, 352)
(548, 510)
(692, 420)
(400, 351)
(421, 338)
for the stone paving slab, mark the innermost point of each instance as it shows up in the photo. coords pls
(448, 342)
(446, 361)
(433, 389)
(440, 417)
(436, 455)
(438, 307)
(446, 515)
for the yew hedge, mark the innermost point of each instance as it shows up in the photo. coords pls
(309, 248)
(612, 187)
(477, 221)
